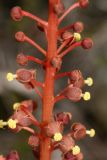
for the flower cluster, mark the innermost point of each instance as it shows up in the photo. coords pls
(50, 134)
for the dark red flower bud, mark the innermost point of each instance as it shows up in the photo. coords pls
(76, 79)
(22, 59)
(13, 155)
(33, 141)
(87, 43)
(59, 8)
(16, 13)
(20, 36)
(25, 76)
(53, 127)
(83, 3)
(63, 117)
(56, 62)
(73, 93)
(78, 131)
(29, 105)
(78, 27)
(66, 144)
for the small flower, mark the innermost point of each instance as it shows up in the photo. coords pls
(91, 132)
(78, 131)
(16, 13)
(12, 123)
(89, 81)
(57, 137)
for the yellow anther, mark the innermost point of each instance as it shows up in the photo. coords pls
(12, 123)
(77, 36)
(2, 123)
(10, 76)
(86, 96)
(91, 132)
(57, 137)
(89, 81)
(16, 106)
(75, 150)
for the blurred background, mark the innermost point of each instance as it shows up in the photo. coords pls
(92, 63)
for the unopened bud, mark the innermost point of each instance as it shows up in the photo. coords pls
(78, 27)
(20, 36)
(87, 43)
(16, 13)
(83, 3)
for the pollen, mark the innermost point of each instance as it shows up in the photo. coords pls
(10, 76)
(16, 106)
(12, 123)
(77, 36)
(86, 96)
(75, 150)
(89, 81)
(57, 137)
(91, 132)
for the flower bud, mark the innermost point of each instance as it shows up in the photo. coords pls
(83, 3)
(20, 36)
(16, 13)
(66, 144)
(78, 27)
(22, 59)
(24, 75)
(78, 131)
(63, 117)
(59, 8)
(33, 141)
(87, 43)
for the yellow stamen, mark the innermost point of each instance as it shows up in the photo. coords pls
(89, 81)
(57, 137)
(10, 76)
(16, 106)
(77, 36)
(12, 123)
(2, 124)
(91, 132)
(86, 96)
(75, 150)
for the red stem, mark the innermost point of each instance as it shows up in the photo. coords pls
(64, 29)
(36, 83)
(48, 92)
(30, 41)
(36, 60)
(27, 14)
(60, 75)
(58, 98)
(68, 11)
(76, 44)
